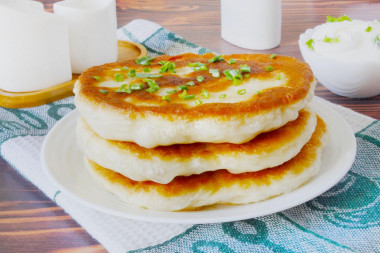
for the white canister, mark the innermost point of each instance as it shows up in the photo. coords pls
(34, 47)
(92, 28)
(251, 24)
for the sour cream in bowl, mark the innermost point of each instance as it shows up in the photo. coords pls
(344, 55)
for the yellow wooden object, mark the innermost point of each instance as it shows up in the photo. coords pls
(127, 50)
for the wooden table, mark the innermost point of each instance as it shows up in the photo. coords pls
(30, 222)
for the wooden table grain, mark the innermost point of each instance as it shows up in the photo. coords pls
(30, 222)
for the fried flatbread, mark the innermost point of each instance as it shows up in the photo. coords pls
(162, 164)
(217, 187)
(202, 101)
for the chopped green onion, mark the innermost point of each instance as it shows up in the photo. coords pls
(171, 91)
(191, 83)
(205, 93)
(247, 75)
(119, 77)
(153, 86)
(330, 40)
(278, 77)
(183, 94)
(168, 67)
(200, 79)
(124, 68)
(377, 40)
(223, 96)
(182, 87)
(145, 60)
(136, 86)
(233, 75)
(198, 102)
(97, 78)
(245, 68)
(231, 61)
(132, 73)
(123, 89)
(146, 70)
(198, 66)
(103, 91)
(258, 92)
(161, 62)
(268, 68)
(338, 19)
(166, 98)
(369, 28)
(310, 44)
(272, 56)
(147, 75)
(188, 97)
(214, 72)
(217, 58)
(241, 92)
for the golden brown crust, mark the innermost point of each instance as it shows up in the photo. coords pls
(299, 79)
(214, 180)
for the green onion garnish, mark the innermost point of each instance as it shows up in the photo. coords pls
(369, 28)
(245, 68)
(123, 89)
(338, 19)
(272, 56)
(231, 61)
(214, 72)
(146, 70)
(377, 40)
(136, 86)
(310, 44)
(198, 66)
(183, 94)
(330, 40)
(200, 79)
(97, 78)
(161, 62)
(258, 92)
(145, 60)
(198, 102)
(188, 97)
(168, 67)
(241, 92)
(278, 77)
(217, 58)
(153, 86)
(132, 73)
(103, 91)
(171, 91)
(205, 93)
(247, 75)
(166, 98)
(191, 83)
(268, 68)
(222, 95)
(119, 77)
(147, 75)
(182, 87)
(124, 68)
(233, 75)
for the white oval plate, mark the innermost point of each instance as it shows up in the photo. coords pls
(64, 164)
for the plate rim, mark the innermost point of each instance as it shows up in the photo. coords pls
(180, 217)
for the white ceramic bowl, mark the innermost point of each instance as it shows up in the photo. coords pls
(354, 78)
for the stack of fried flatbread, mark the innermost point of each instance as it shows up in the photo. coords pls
(181, 132)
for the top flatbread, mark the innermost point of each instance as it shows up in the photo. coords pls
(264, 94)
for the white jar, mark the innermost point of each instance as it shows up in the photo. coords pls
(251, 24)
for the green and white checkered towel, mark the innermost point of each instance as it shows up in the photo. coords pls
(344, 219)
